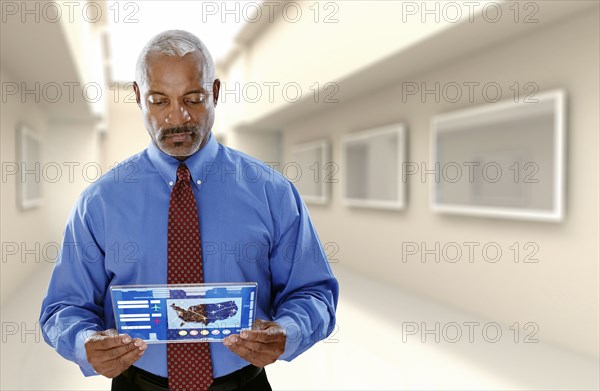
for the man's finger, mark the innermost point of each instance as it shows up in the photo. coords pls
(132, 356)
(110, 332)
(123, 362)
(260, 324)
(257, 347)
(258, 359)
(98, 335)
(265, 336)
(243, 351)
(116, 352)
(100, 342)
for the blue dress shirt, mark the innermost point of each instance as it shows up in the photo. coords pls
(253, 227)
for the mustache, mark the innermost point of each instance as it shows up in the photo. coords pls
(178, 129)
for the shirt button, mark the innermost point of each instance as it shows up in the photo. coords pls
(198, 181)
(171, 183)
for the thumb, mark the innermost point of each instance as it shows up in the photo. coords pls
(110, 333)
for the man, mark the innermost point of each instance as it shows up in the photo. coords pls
(127, 230)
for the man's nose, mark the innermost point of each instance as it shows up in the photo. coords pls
(178, 115)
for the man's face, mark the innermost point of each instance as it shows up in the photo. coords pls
(177, 102)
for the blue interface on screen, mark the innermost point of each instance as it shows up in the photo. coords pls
(184, 313)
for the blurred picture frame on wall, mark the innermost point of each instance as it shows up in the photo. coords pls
(504, 159)
(29, 177)
(373, 161)
(312, 171)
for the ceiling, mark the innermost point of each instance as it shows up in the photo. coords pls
(215, 23)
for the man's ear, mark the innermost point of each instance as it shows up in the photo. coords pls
(137, 94)
(216, 89)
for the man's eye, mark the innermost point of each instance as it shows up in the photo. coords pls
(197, 100)
(158, 102)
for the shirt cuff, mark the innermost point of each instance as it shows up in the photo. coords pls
(293, 337)
(80, 354)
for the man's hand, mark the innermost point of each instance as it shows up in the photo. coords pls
(110, 353)
(260, 346)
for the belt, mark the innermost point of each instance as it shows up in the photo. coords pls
(150, 382)
(235, 380)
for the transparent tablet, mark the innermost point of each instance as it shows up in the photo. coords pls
(184, 313)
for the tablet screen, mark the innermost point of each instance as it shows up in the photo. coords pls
(184, 313)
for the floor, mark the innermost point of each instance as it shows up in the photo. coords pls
(374, 347)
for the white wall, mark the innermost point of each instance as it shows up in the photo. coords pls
(70, 161)
(125, 135)
(303, 45)
(75, 148)
(23, 229)
(265, 146)
(67, 51)
(560, 293)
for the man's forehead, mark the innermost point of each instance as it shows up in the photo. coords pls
(160, 62)
(193, 56)
(159, 68)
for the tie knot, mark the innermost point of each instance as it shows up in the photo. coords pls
(183, 174)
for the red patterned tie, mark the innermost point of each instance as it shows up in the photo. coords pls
(189, 363)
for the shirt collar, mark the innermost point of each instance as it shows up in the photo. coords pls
(199, 163)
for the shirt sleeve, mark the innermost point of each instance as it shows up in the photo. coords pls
(73, 307)
(305, 292)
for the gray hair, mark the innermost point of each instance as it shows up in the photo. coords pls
(174, 43)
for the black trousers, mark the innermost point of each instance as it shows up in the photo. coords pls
(135, 379)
